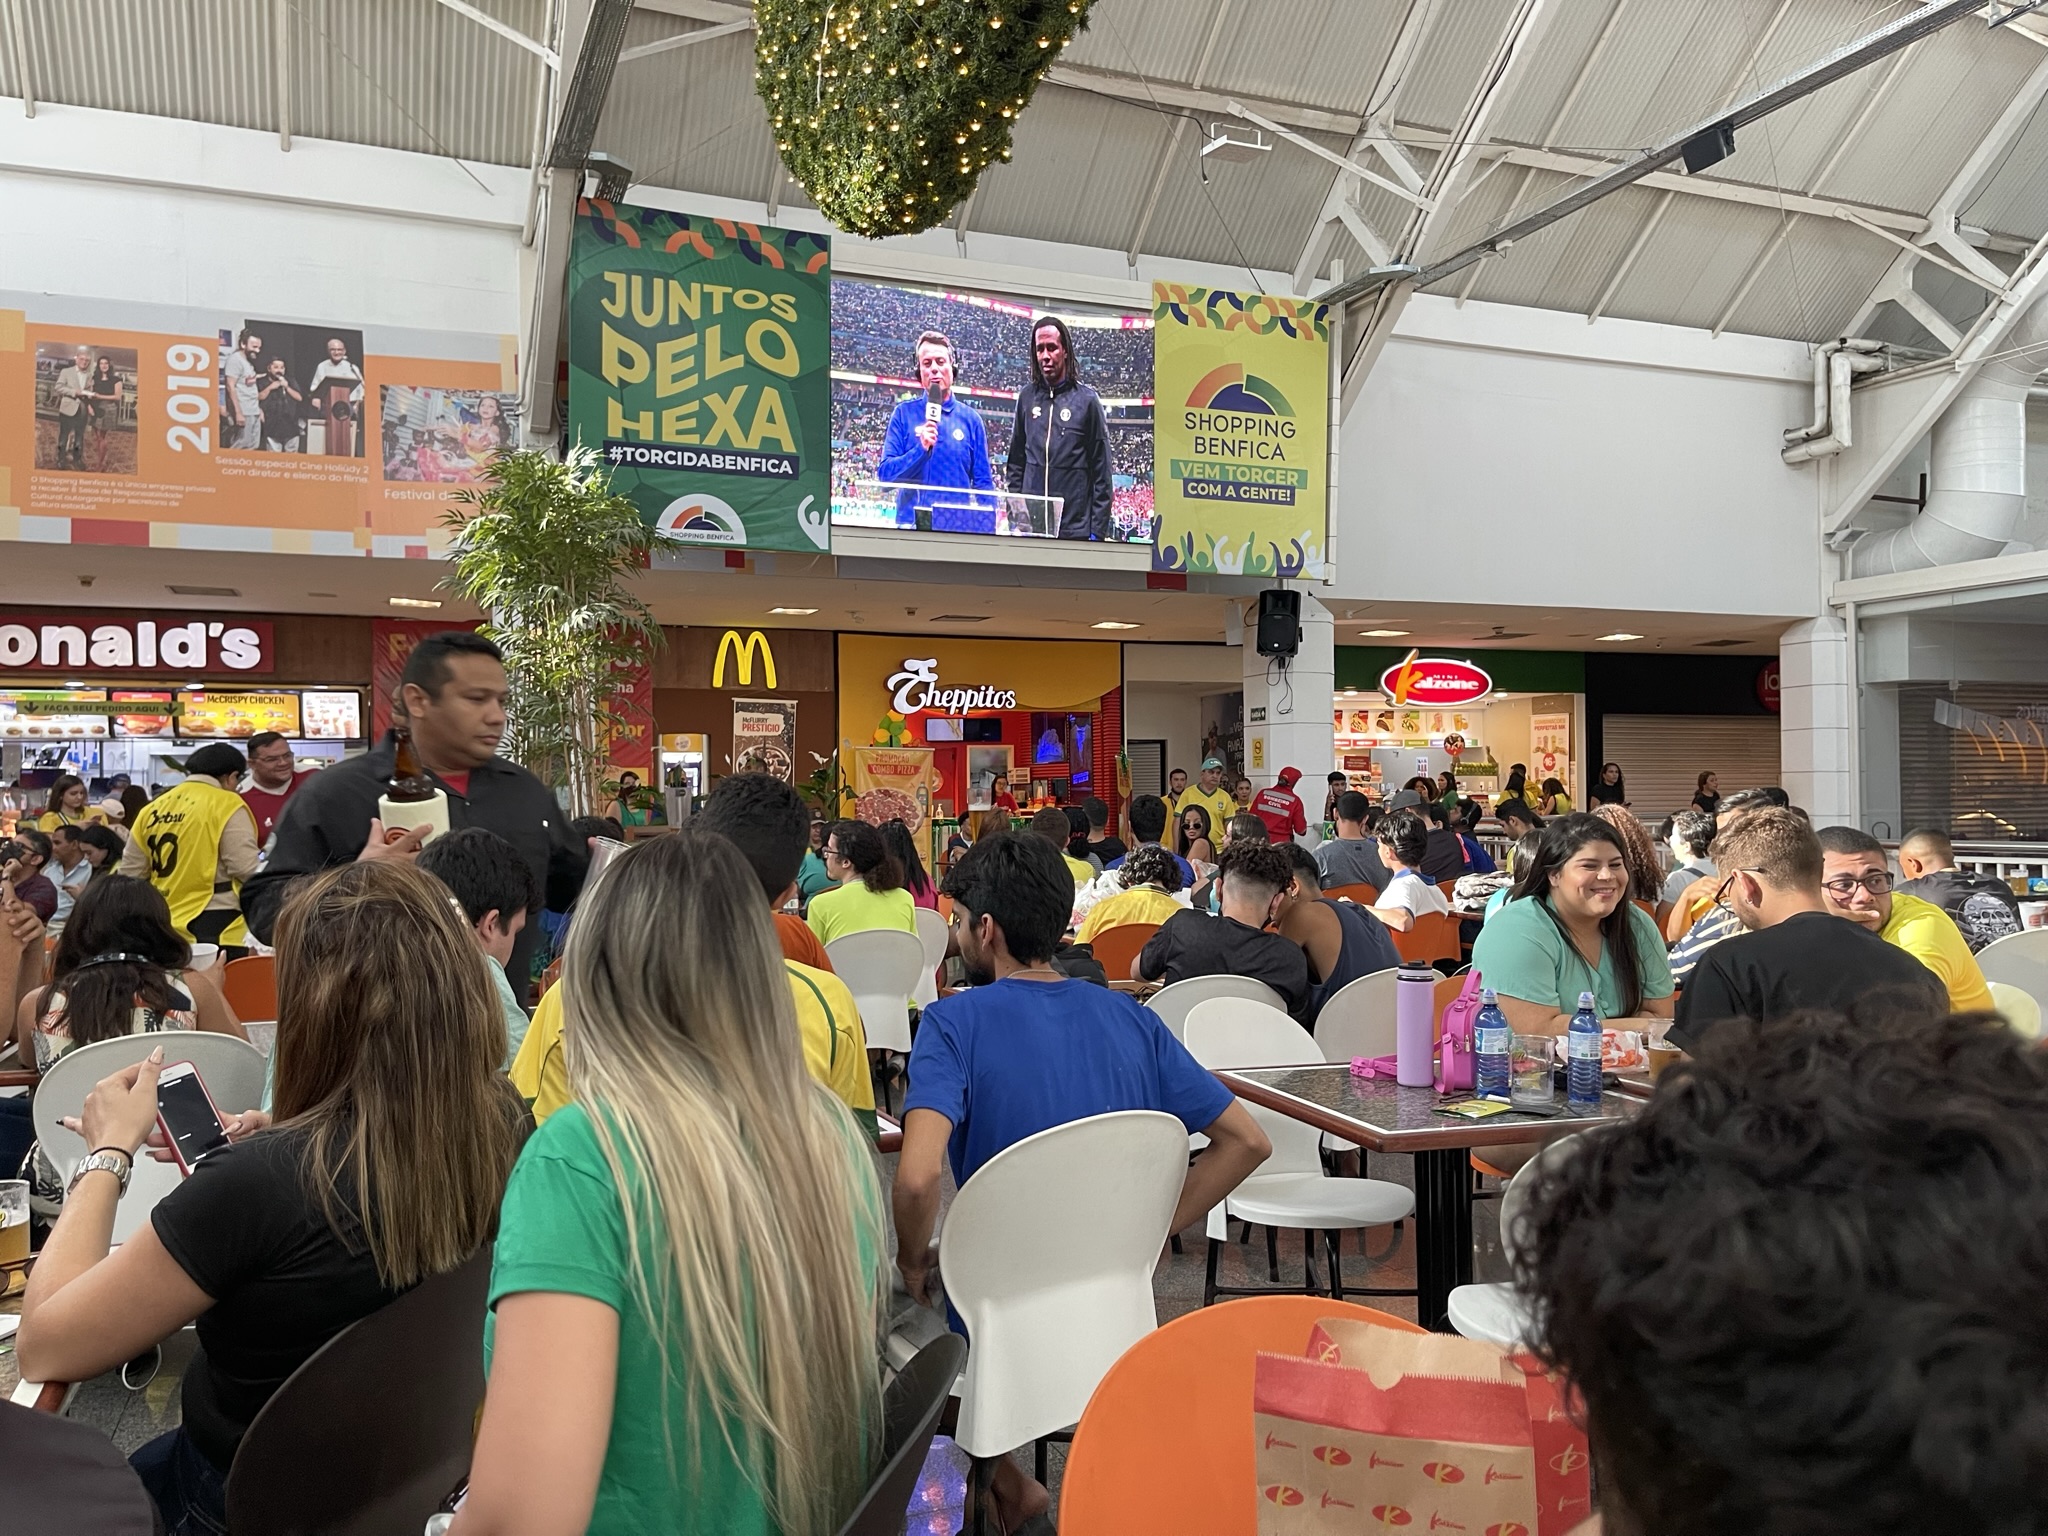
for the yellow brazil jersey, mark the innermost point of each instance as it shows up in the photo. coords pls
(181, 830)
(835, 1046)
(1216, 802)
(1930, 936)
(1140, 904)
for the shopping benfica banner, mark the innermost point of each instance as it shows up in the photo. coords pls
(166, 426)
(1241, 449)
(699, 352)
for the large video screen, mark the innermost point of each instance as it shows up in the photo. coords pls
(875, 331)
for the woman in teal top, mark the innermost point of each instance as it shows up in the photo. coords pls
(1570, 928)
(688, 1278)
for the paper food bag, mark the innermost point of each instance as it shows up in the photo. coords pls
(1380, 1430)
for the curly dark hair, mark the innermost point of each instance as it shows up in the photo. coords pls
(1258, 866)
(1799, 1293)
(1149, 864)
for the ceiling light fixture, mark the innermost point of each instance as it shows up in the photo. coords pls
(1112, 624)
(414, 602)
(1621, 634)
(1382, 634)
(793, 610)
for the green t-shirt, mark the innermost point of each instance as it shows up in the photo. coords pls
(1523, 953)
(853, 908)
(562, 1229)
(811, 877)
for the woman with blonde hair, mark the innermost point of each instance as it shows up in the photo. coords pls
(394, 1132)
(689, 1270)
(1638, 851)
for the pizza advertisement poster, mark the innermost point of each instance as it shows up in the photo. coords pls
(893, 783)
(764, 737)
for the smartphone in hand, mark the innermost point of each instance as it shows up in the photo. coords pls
(191, 1122)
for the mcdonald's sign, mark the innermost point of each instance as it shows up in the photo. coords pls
(756, 643)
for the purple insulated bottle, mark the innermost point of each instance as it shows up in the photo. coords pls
(1415, 1026)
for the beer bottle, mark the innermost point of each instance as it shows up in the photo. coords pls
(409, 782)
(410, 798)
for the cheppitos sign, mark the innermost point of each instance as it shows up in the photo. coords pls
(698, 364)
(1241, 442)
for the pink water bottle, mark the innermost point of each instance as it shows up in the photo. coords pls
(1415, 1026)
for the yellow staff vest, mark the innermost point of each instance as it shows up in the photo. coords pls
(181, 831)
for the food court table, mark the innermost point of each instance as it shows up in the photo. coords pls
(1382, 1116)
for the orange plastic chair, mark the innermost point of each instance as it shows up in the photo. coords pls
(1115, 948)
(1433, 936)
(1165, 1445)
(1364, 895)
(250, 986)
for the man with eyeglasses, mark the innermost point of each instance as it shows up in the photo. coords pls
(1697, 918)
(1858, 882)
(1794, 956)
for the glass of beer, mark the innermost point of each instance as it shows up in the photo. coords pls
(13, 1236)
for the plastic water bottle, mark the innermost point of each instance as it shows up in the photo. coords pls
(1582, 1072)
(1490, 1048)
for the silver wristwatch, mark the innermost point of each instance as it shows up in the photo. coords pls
(116, 1164)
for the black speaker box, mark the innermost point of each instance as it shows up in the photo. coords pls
(1279, 622)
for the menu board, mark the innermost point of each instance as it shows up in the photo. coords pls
(236, 716)
(331, 716)
(147, 715)
(35, 716)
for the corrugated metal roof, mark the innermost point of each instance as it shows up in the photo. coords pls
(414, 75)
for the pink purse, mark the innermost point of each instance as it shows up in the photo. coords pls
(1455, 1055)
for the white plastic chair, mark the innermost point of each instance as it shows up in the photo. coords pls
(932, 933)
(1495, 1312)
(231, 1069)
(1289, 1190)
(1359, 1019)
(2019, 960)
(1048, 1254)
(2020, 1009)
(880, 967)
(1172, 1003)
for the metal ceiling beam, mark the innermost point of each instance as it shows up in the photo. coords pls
(1921, 22)
(544, 271)
(1745, 70)
(1497, 80)
(686, 39)
(511, 34)
(281, 69)
(1372, 133)
(1850, 136)
(17, 28)
(1571, 99)
(1172, 145)
(1897, 283)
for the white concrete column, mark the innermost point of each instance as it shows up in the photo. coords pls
(1814, 746)
(1287, 712)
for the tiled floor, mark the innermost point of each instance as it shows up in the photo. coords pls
(133, 1417)
(1177, 1284)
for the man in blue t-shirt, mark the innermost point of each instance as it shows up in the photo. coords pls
(947, 455)
(1026, 1049)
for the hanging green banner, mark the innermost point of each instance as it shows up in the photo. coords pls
(1241, 451)
(699, 351)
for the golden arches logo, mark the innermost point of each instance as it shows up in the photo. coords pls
(756, 643)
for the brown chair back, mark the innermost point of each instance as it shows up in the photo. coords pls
(910, 1413)
(375, 1430)
(66, 1479)
(1364, 895)
(250, 987)
(1434, 936)
(1115, 948)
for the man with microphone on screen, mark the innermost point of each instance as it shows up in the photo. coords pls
(937, 442)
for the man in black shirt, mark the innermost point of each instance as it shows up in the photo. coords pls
(1983, 907)
(1254, 881)
(452, 696)
(1101, 843)
(1796, 955)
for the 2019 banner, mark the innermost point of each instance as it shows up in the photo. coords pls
(1241, 453)
(698, 366)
